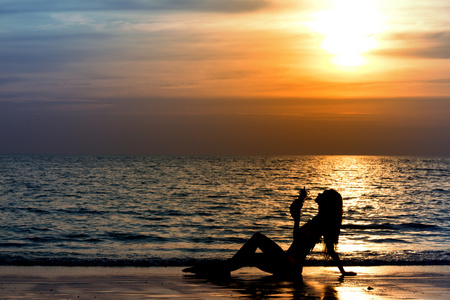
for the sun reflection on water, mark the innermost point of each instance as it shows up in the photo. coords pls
(370, 209)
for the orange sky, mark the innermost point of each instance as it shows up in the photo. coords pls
(334, 61)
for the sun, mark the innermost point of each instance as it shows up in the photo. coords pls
(349, 29)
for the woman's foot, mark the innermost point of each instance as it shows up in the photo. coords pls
(216, 269)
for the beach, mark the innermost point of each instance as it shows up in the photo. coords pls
(379, 282)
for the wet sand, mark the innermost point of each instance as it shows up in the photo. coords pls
(383, 282)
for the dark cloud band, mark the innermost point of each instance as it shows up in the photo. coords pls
(225, 6)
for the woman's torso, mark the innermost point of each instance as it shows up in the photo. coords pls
(305, 238)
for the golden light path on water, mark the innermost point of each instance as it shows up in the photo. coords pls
(355, 178)
(349, 29)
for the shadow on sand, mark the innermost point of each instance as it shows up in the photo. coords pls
(271, 287)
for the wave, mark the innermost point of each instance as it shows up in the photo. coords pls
(388, 226)
(119, 236)
(364, 258)
(367, 226)
(389, 240)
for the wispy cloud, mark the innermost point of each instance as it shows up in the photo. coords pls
(40, 53)
(225, 6)
(419, 44)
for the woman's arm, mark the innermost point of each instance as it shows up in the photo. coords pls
(338, 262)
(296, 207)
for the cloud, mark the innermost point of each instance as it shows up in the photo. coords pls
(37, 53)
(424, 45)
(224, 6)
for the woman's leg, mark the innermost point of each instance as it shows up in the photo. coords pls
(272, 259)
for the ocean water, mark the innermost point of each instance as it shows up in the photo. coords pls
(161, 210)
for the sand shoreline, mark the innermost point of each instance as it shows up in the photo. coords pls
(381, 282)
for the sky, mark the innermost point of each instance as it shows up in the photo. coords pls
(238, 77)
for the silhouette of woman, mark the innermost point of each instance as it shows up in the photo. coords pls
(324, 226)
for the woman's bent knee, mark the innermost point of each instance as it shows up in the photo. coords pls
(258, 236)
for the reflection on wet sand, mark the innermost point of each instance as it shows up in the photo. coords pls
(270, 287)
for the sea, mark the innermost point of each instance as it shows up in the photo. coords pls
(140, 210)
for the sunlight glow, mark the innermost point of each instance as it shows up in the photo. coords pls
(349, 30)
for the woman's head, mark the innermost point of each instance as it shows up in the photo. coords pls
(330, 214)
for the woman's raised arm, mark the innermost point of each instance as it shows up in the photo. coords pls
(296, 207)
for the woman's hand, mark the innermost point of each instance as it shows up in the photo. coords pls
(303, 194)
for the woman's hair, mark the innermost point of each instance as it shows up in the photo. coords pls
(330, 212)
